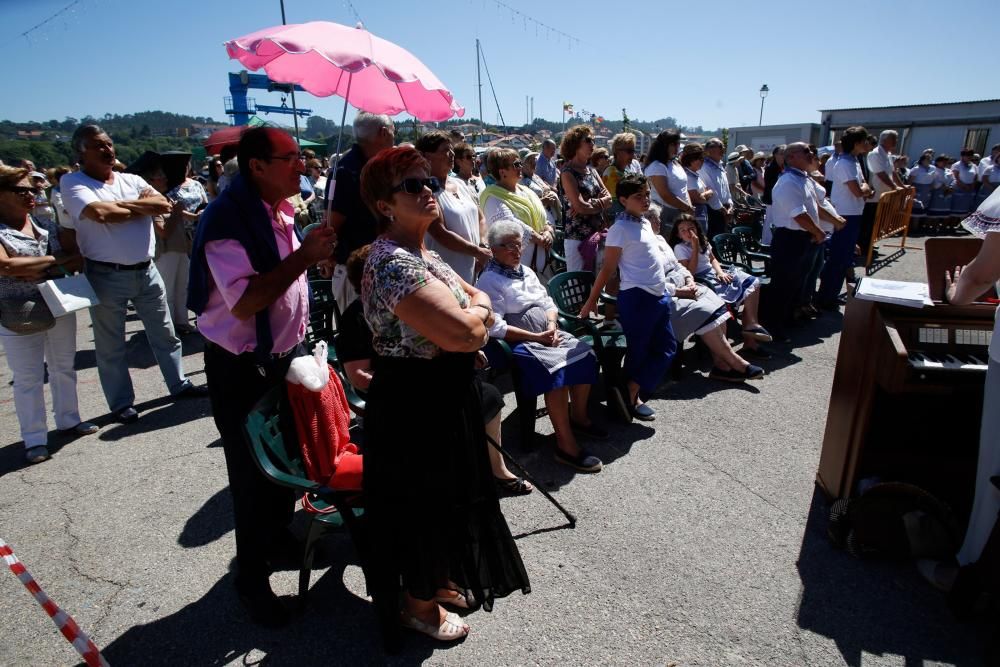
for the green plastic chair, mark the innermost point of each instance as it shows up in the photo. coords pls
(570, 291)
(283, 466)
(751, 251)
(557, 254)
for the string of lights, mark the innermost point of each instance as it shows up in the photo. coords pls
(539, 26)
(354, 12)
(51, 18)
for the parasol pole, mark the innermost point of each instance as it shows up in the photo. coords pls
(343, 118)
(336, 159)
(295, 112)
(479, 85)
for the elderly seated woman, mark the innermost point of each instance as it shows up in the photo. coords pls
(551, 362)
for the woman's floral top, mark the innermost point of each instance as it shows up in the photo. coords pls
(391, 274)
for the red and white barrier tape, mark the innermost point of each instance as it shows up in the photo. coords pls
(67, 626)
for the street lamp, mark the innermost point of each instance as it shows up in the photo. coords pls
(763, 93)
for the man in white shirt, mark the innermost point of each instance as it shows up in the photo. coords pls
(848, 197)
(113, 218)
(881, 164)
(797, 235)
(545, 166)
(713, 172)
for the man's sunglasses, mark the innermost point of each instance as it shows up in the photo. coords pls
(21, 190)
(415, 186)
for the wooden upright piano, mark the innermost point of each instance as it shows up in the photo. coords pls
(907, 392)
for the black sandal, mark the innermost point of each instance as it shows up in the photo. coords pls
(513, 487)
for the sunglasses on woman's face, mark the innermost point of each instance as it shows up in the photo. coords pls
(415, 186)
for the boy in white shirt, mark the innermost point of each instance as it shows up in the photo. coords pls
(644, 303)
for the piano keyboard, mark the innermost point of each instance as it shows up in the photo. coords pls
(959, 361)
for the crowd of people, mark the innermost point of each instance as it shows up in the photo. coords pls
(432, 251)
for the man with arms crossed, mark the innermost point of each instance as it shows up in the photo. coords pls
(112, 216)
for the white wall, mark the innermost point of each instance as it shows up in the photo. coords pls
(946, 139)
(766, 138)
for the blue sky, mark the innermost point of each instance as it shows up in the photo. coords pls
(701, 63)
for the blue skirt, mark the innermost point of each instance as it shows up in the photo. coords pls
(743, 285)
(962, 202)
(940, 203)
(536, 378)
(924, 194)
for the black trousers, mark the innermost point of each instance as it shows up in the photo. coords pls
(716, 222)
(791, 251)
(262, 510)
(867, 227)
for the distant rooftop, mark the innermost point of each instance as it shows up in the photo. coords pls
(909, 106)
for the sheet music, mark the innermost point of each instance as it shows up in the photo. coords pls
(899, 292)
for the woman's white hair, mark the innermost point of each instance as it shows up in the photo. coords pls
(503, 229)
(654, 210)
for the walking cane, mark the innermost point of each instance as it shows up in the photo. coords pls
(524, 473)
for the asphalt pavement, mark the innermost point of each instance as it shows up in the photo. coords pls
(701, 543)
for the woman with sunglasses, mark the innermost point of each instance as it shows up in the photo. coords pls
(587, 196)
(25, 260)
(437, 536)
(507, 199)
(622, 162)
(465, 170)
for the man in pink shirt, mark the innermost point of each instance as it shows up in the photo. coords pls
(249, 289)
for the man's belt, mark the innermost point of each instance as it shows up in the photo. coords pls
(123, 267)
(249, 355)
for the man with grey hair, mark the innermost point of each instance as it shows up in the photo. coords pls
(713, 172)
(881, 165)
(350, 218)
(545, 168)
(113, 218)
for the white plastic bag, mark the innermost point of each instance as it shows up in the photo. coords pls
(313, 372)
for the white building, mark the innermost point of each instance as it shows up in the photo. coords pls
(764, 138)
(946, 127)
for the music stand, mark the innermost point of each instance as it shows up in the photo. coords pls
(944, 254)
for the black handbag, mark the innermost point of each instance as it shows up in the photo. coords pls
(26, 316)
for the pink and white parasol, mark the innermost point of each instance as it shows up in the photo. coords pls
(326, 59)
